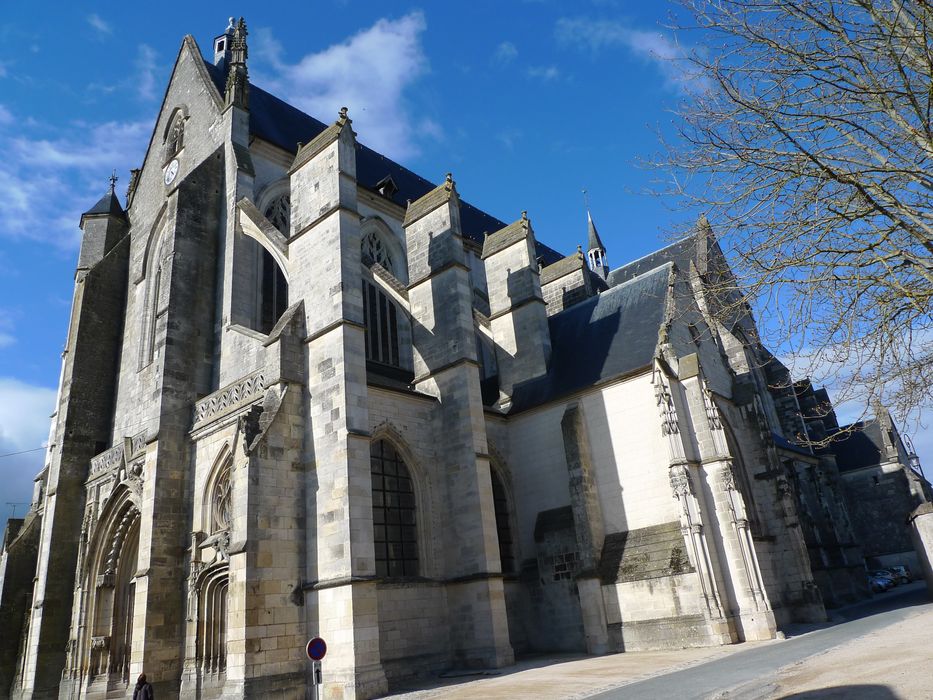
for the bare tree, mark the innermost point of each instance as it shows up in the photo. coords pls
(810, 147)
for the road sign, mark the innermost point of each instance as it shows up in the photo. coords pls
(316, 649)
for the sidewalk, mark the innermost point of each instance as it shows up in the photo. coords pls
(876, 649)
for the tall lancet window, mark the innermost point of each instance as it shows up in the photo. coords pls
(214, 582)
(394, 521)
(272, 287)
(381, 319)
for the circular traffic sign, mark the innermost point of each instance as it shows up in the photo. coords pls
(317, 647)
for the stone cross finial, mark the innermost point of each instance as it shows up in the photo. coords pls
(113, 181)
(344, 116)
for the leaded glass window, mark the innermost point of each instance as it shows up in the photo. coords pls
(394, 520)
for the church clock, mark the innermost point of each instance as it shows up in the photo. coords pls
(171, 171)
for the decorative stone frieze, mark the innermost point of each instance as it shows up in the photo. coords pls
(229, 398)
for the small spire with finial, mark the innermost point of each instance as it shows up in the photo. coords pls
(113, 181)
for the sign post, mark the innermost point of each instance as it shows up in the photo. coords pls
(316, 649)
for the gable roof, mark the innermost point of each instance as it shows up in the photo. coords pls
(283, 125)
(610, 335)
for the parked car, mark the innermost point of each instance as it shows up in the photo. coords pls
(902, 573)
(880, 584)
(886, 573)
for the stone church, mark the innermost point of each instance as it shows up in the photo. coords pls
(307, 392)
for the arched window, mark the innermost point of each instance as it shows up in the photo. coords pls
(500, 500)
(374, 249)
(394, 520)
(212, 621)
(279, 212)
(176, 135)
(221, 501)
(381, 319)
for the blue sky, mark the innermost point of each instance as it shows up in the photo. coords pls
(526, 103)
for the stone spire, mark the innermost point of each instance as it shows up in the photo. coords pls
(596, 251)
(237, 90)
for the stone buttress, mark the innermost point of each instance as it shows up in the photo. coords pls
(325, 248)
(445, 366)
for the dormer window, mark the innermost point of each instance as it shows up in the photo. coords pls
(387, 187)
(220, 45)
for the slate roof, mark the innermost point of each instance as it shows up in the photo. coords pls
(593, 240)
(680, 253)
(279, 123)
(108, 204)
(861, 445)
(606, 336)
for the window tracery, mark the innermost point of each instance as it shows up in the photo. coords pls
(279, 212)
(374, 248)
(176, 136)
(222, 502)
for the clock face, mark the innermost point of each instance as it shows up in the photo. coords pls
(171, 171)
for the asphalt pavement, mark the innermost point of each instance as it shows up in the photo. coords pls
(745, 675)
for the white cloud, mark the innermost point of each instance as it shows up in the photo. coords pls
(146, 72)
(369, 73)
(505, 53)
(45, 183)
(545, 73)
(24, 425)
(99, 24)
(6, 116)
(662, 51)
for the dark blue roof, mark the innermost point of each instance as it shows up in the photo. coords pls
(680, 253)
(606, 336)
(108, 204)
(858, 445)
(279, 123)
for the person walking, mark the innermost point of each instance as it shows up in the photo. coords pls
(143, 690)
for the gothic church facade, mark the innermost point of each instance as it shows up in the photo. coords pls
(308, 393)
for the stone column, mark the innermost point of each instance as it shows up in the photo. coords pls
(324, 259)
(444, 349)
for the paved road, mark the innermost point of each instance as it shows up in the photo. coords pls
(746, 668)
